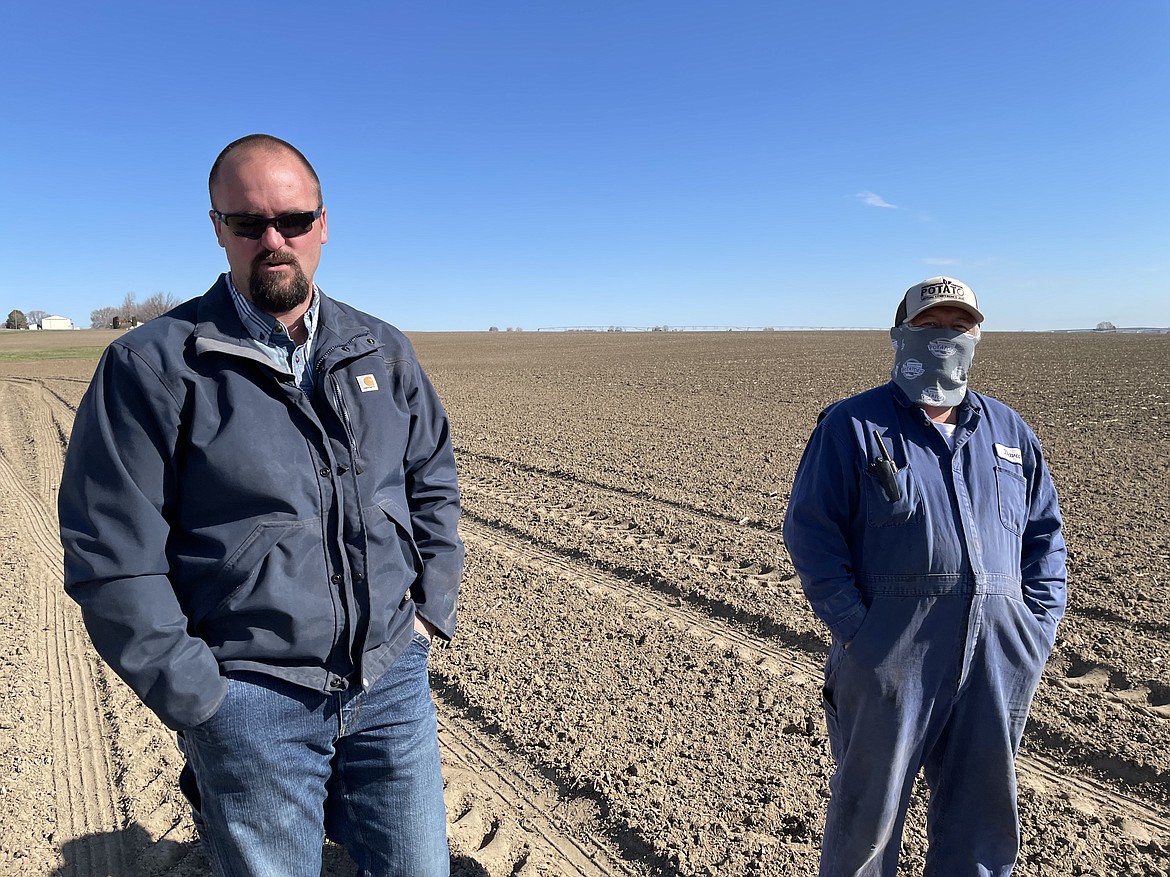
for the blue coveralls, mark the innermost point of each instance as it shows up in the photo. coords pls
(948, 598)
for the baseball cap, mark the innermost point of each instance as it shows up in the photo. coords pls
(937, 291)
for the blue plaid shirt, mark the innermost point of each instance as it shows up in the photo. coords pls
(272, 338)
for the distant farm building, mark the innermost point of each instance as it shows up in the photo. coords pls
(56, 323)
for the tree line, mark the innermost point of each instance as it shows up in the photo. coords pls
(21, 320)
(130, 313)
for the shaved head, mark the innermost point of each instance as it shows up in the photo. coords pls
(251, 145)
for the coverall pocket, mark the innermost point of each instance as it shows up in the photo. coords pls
(833, 659)
(881, 510)
(832, 665)
(1012, 491)
(884, 622)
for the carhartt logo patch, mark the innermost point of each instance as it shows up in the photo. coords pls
(367, 383)
(1012, 455)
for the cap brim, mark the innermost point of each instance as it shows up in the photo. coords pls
(952, 303)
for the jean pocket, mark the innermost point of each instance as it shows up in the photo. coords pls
(420, 640)
(231, 688)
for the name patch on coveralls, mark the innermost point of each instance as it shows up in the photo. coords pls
(1012, 455)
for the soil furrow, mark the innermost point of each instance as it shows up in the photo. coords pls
(574, 480)
(494, 803)
(87, 799)
(623, 523)
(796, 669)
(751, 591)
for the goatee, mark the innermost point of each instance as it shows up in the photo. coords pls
(275, 294)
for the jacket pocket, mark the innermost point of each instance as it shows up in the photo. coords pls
(393, 550)
(881, 511)
(395, 565)
(1012, 491)
(243, 565)
(401, 519)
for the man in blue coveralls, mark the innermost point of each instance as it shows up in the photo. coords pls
(925, 529)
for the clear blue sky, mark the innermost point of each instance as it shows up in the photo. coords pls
(562, 163)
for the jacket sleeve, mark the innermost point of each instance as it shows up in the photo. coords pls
(432, 491)
(817, 525)
(112, 504)
(1043, 554)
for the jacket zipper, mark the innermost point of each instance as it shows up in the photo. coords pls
(345, 421)
(339, 401)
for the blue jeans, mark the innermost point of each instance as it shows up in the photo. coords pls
(279, 766)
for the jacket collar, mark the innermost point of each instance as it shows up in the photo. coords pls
(219, 329)
(217, 314)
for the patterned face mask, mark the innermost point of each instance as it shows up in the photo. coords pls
(931, 365)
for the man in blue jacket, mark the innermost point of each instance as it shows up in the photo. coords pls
(925, 529)
(259, 511)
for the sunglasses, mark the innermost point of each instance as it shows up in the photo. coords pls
(288, 225)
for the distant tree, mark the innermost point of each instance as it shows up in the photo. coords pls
(494, 329)
(1106, 326)
(155, 306)
(103, 318)
(16, 320)
(129, 310)
(35, 317)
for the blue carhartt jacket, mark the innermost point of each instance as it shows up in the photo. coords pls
(215, 519)
(983, 519)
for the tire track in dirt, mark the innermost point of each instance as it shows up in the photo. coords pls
(1035, 771)
(622, 534)
(27, 423)
(126, 814)
(725, 579)
(506, 817)
(87, 799)
(1146, 697)
(58, 406)
(631, 544)
(625, 492)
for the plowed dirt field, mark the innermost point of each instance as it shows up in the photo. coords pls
(634, 688)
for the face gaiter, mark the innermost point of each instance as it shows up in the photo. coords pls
(931, 365)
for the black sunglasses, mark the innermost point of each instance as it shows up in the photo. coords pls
(289, 225)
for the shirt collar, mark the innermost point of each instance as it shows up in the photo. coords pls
(264, 327)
